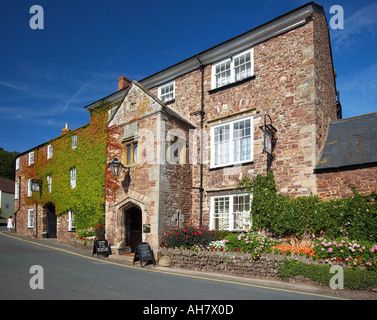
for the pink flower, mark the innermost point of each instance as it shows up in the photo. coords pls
(330, 250)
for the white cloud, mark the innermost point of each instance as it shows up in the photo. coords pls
(359, 26)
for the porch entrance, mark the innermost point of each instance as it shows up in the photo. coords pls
(51, 220)
(133, 224)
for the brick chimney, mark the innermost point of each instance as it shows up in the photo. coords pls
(66, 129)
(123, 82)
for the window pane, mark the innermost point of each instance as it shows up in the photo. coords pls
(241, 212)
(221, 213)
(242, 66)
(73, 178)
(242, 140)
(167, 92)
(222, 144)
(129, 154)
(135, 153)
(223, 74)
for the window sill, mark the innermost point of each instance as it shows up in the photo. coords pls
(169, 101)
(232, 165)
(230, 85)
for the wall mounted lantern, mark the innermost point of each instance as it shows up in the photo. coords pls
(116, 166)
(269, 136)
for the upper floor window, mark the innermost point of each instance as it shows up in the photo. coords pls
(233, 69)
(167, 92)
(17, 164)
(232, 142)
(73, 178)
(16, 190)
(112, 111)
(49, 183)
(74, 141)
(31, 158)
(49, 151)
(29, 191)
(131, 153)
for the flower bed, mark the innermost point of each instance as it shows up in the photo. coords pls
(281, 248)
(352, 252)
(340, 251)
(86, 237)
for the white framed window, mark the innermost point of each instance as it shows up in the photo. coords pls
(167, 92)
(74, 142)
(17, 164)
(30, 218)
(29, 192)
(230, 212)
(16, 190)
(236, 68)
(49, 151)
(49, 183)
(232, 142)
(71, 220)
(31, 158)
(73, 178)
(111, 112)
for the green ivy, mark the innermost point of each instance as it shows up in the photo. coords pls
(89, 158)
(355, 217)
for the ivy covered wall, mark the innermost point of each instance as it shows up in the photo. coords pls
(89, 158)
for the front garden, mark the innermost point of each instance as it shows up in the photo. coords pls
(338, 232)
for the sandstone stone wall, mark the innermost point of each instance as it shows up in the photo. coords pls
(335, 184)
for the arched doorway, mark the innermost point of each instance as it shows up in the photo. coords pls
(133, 226)
(51, 220)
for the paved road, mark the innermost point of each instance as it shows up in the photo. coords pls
(72, 274)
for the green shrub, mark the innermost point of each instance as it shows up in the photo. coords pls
(355, 217)
(354, 279)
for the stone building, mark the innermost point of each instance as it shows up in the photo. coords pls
(222, 95)
(187, 134)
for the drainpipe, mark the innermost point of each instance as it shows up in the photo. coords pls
(19, 204)
(202, 113)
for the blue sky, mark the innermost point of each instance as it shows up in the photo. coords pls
(48, 76)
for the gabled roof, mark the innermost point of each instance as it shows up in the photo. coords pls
(286, 22)
(351, 141)
(153, 99)
(7, 186)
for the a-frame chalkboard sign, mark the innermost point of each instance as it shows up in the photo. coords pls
(144, 252)
(101, 247)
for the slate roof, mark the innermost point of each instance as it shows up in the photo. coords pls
(351, 141)
(6, 185)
